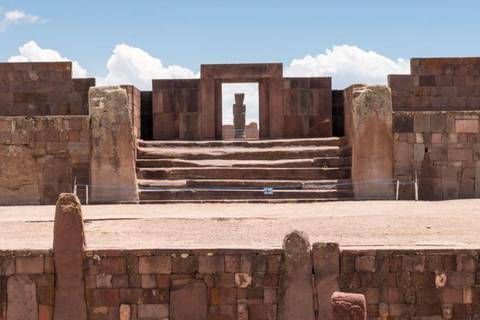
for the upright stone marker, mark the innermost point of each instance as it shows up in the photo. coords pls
(112, 156)
(239, 117)
(295, 289)
(68, 246)
(368, 125)
(22, 298)
(326, 266)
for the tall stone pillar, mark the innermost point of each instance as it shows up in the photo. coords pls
(68, 247)
(368, 126)
(112, 154)
(239, 117)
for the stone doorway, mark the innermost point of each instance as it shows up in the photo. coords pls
(230, 131)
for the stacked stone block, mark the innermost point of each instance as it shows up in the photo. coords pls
(26, 285)
(307, 106)
(42, 89)
(414, 284)
(438, 84)
(443, 148)
(211, 284)
(175, 109)
(41, 156)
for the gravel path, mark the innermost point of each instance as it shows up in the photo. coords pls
(368, 224)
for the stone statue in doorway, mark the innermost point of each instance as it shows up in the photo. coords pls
(239, 117)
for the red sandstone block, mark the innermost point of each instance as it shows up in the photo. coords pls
(155, 264)
(149, 281)
(120, 281)
(232, 263)
(131, 295)
(365, 263)
(225, 280)
(103, 297)
(460, 279)
(46, 295)
(257, 312)
(30, 264)
(45, 312)
(452, 295)
(155, 296)
(184, 264)
(220, 296)
(273, 263)
(211, 264)
(153, 311)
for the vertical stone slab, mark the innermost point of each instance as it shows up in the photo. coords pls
(295, 288)
(368, 124)
(68, 246)
(188, 300)
(22, 298)
(207, 107)
(326, 266)
(349, 306)
(239, 117)
(112, 156)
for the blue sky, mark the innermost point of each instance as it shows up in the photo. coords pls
(189, 33)
(135, 41)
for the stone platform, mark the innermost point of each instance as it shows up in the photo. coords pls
(354, 225)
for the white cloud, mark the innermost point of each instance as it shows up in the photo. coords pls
(130, 65)
(15, 17)
(348, 65)
(31, 52)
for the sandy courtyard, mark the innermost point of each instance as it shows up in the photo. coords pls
(379, 224)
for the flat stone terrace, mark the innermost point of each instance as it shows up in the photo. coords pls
(355, 225)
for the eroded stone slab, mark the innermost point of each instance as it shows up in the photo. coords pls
(188, 300)
(296, 291)
(68, 246)
(112, 156)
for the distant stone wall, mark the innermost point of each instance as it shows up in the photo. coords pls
(41, 156)
(307, 106)
(438, 84)
(251, 131)
(443, 148)
(42, 89)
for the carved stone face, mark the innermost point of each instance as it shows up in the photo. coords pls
(347, 311)
(447, 312)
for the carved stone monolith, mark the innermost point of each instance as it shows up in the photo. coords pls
(112, 156)
(295, 289)
(68, 247)
(239, 117)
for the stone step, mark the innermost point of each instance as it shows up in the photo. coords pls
(263, 200)
(258, 184)
(253, 173)
(277, 153)
(286, 163)
(237, 194)
(331, 141)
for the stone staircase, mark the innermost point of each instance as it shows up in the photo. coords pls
(244, 171)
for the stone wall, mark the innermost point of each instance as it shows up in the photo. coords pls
(242, 284)
(414, 284)
(307, 105)
(41, 156)
(443, 148)
(42, 89)
(251, 131)
(175, 106)
(438, 84)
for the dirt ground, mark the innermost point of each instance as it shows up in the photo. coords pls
(368, 224)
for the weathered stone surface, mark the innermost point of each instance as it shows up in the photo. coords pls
(368, 114)
(188, 300)
(326, 266)
(22, 298)
(295, 289)
(68, 246)
(349, 306)
(112, 157)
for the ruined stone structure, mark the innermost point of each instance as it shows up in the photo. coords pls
(314, 143)
(296, 281)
